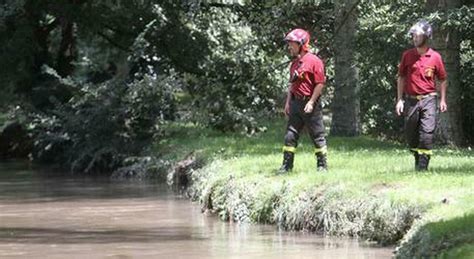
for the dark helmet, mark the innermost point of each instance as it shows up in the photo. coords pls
(421, 28)
(299, 35)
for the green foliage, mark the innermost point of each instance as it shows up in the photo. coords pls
(237, 82)
(443, 239)
(102, 124)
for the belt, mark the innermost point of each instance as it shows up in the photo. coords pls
(300, 97)
(421, 96)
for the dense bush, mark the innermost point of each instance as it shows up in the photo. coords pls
(238, 82)
(102, 124)
(227, 79)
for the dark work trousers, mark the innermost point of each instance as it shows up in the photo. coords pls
(298, 119)
(420, 122)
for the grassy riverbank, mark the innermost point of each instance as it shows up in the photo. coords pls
(370, 191)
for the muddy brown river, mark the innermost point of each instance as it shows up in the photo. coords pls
(43, 215)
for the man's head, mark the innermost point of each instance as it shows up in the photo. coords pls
(298, 41)
(420, 32)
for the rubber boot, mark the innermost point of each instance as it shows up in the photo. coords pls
(321, 162)
(287, 165)
(423, 162)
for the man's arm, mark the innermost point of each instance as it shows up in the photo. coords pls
(400, 89)
(442, 104)
(316, 93)
(443, 84)
(287, 102)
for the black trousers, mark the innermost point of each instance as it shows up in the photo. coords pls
(420, 123)
(313, 121)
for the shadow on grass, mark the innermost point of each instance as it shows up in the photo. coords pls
(461, 170)
(361, 143)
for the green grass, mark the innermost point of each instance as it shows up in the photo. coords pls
(371, 189)
(451, 238)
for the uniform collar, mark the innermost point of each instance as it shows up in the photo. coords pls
(428, 52)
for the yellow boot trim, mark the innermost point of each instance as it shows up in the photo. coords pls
(321, 150)
(425, 152)
(289, 149)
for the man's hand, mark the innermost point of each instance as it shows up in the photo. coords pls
(399, 107)
(308, 108)
(443, 106)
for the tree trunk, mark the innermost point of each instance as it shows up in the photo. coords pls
(38, 34)
(447, 43)
(67, 49)
(67, 53)
(346, 103)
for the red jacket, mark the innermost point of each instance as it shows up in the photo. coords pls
(420, 71)
(305, 73)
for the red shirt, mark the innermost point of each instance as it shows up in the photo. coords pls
(309, 72)
(420, 71)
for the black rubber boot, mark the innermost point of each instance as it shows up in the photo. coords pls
(287, 165)
(322, 162)
(423, 162)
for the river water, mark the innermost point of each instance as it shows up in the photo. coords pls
(43, 215)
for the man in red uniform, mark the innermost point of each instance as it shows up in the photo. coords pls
(416, 80)
(303, 106)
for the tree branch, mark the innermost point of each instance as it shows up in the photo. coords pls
(112, 42)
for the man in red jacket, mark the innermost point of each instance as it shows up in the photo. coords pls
(303, 107)
(416, 80)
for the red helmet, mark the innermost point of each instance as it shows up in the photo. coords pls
(299, 35)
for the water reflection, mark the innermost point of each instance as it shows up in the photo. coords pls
(56, 217)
